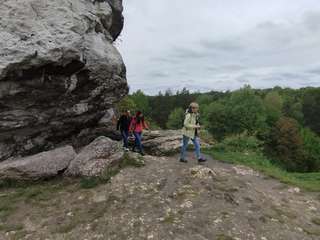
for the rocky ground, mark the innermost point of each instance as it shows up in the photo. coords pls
(164, 199)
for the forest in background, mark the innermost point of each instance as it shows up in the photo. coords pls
(279, 124)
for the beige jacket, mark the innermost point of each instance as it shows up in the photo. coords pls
(189, 125)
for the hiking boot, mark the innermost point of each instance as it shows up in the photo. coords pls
(183, 160)
(202, 160)
(133, 150)
(142, 153)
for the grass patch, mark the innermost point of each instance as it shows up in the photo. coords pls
(257, 161)
(10, 227)
(311, 231)
(12, 193)
(169, 219)
(92, 182)
(8, 183)
(316, 221)
(284, 212)
(129, 161)
(173, 216)
(6, 209)
(67, 227)
(80, 217)
(224, 237)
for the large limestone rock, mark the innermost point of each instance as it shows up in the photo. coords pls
(107, 127)
(96, 158)
(162, 143)
(166, 142)
(39, 166)
(59, 71)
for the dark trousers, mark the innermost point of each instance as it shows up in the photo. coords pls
(125, 135)
(137, 141)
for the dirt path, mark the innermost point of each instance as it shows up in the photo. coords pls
(169, 200)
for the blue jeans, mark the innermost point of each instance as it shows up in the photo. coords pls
(196, 143)
(125, 135)
(137, 141)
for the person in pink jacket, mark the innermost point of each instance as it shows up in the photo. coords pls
(137, 126)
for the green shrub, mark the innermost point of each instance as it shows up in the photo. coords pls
(152, 124)
(126, 104)
(311, 150)
(141, 102)
(206, 137)
(246, 111)
(241, 143)
(243, 111)
(176, 119)
(311, 109)
(216, 119)
(285, 145)
(273, 104)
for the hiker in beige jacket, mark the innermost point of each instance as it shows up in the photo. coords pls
(190, 130)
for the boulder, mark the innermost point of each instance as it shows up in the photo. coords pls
(97, 157)
(40, 166)
(162, 143)
(59, 71)
(165, 142)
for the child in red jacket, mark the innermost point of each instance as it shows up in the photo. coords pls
(137, 126)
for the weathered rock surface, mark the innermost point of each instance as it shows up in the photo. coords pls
(97, 157)
(59, 71)
(39, 166)
(163, 143)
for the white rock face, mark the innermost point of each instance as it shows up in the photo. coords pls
(97, 157)
(161, 143)
(39, 166)
(59, 70)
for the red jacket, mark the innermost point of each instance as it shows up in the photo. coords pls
(137, 127)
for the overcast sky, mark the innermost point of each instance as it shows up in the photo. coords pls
(220, 44)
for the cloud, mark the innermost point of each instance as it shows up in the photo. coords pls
(156, 74)
(185, 53)
(312, 21)
(221, 45)
(231, 46)
(315, 71)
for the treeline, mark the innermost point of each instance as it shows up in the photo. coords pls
(281, 123)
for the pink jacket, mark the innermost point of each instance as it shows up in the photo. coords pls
(137, 127)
